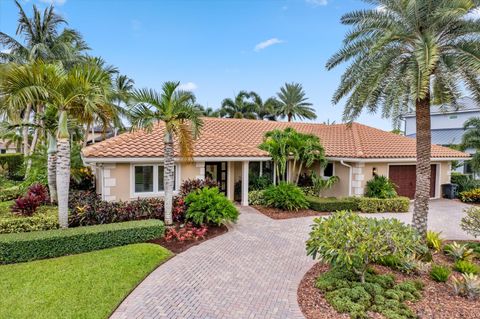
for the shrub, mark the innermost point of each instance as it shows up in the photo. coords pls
(209, 206)
(257, 182)
(12, 164)
(467, 286)
(320, 204)
(27, 205)
(459, 251)
(434, 241)
(466, 267)
(464, 182)
(353, 242)
(285, 196)
(471, 222)
(440, 273)
(256, 198)
(380, 205)
(23, 247)
(10, 193)
(380, 187)
(45, 219)
(471, 196)
(378, 293)
(186, 232)
(191, 185)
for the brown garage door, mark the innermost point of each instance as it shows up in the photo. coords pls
(404, 176)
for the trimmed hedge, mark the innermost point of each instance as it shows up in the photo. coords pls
(45, 219)
(23, 247)
(320, 204)
(380, 205)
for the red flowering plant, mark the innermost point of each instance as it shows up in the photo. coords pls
(186, 232)
(27, 205)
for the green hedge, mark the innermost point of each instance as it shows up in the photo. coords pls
(377, 205)
(320, 204)
(23, 247)
(10, 193)
(45, 219)
(13, 163)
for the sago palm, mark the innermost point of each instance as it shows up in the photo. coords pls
(410, 53)
(181, 119)
(293, 104)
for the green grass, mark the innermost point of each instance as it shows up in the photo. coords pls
(89, 285)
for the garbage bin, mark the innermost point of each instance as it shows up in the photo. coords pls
(449, 190)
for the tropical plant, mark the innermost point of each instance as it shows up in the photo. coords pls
(209, 206)
(321, 183)
(434, 240)
(440, 273)
(467, 286)
(410, 53)
(285, 196)
(240, 107)
(464, 182)
(293, 104)
(471, 139)
(380, 187)
(347, 240)
(467, 267)
(459, 251)
(265, 110)
(176, 114)
(471, 222)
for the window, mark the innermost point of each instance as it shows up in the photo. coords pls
(149, 180)
(3, 151)
(143, 179)
(328, 171)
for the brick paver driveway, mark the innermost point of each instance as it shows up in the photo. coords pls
(250, 272)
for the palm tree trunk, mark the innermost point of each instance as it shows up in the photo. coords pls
(289, 117)
(424, 137)
(85, 135)
(168, 178)
(51, 168)
(63, 169)
(26, 120)
(299, 173)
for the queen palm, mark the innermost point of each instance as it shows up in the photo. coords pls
(181, 119)
(293, 104)
(265, 110)
(240, 107)
(410, 53)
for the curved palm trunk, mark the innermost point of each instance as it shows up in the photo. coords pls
(63, 170)
(51, 168)
(168, 178)
(26, 119)
(422, 194)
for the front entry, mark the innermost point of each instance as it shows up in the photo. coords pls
(218, 171)
(405, 176)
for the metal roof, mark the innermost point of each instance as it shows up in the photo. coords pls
(445, 136)
(465, 104)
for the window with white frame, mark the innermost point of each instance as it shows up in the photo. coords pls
(149, 179)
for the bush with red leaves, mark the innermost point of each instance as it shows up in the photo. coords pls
(186, 232)
(27, 205)
(191, 185)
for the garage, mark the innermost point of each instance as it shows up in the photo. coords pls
(405, 176)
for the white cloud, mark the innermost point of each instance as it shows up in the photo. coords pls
(6, 51)
(55, 2)
(189, 86)
(317, 3)
(265, 44)
(474, 15)
(381, 9)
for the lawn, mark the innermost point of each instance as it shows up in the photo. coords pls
(89, 285)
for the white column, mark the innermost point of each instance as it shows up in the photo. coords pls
(245, 183)
(230, 181)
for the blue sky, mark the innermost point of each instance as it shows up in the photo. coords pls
(215, 47)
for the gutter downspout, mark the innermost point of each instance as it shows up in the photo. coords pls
(350, 177)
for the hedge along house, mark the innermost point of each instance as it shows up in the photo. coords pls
(130, 165)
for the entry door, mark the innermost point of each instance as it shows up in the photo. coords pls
(217, 171)
(405, 177)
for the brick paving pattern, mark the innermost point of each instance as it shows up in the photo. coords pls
(250, 272)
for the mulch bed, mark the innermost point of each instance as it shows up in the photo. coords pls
(177, 246)
(438, 302)
(276, 213)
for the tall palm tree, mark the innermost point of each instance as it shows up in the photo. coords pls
(410, 53)
(265, 110)
(240, 107)
(294, 104)
(181, 119)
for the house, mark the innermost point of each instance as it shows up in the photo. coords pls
(6, 147)
(447, 125)
(129, 165)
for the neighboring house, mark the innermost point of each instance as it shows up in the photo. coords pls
(98, 134)
(130, 165)
(6, 147)
(447, 125)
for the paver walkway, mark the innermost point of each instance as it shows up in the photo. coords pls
(250, 272)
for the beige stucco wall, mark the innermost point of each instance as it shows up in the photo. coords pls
(191, 170)
(340, 189)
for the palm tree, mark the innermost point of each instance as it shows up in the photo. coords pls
(410, 53)
(176, 110)
(471, 139)
(265, 110)
(240, 107)
(293, 103)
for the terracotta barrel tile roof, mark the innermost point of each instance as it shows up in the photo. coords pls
(240, 138)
